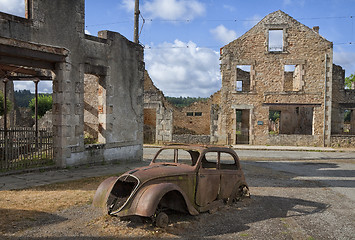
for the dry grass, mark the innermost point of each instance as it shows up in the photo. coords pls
(20, 206)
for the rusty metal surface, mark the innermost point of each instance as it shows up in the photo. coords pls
(191, 186)
(102, 193)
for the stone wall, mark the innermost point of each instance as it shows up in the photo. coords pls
(269, 87)
(46, 121)
(158, 113)
(163, 117)
(343, 99)
(343, 141)
(192, 139)
(58, 43)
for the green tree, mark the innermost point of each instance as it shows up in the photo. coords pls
(274, 115)
(184, 101)
(349, 80)
(347, 115)
(44, 104)
(8, 103)
(23, 97)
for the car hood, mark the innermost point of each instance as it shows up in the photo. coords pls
(158, 170)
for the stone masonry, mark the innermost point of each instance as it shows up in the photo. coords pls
(52, 39)
(158, 113)
(302, 95)
(192, 124)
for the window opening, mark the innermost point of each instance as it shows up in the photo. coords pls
(196, 114)
(94, 109)
(210, 160)
(275, 40)
(349, 128)
(15, 7)
(227, 161)
(293, 78)
(243, 78)
(291, 120)
(177, 156)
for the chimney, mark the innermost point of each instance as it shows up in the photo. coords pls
(316, 29)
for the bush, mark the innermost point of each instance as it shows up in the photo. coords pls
(2, 109)
(44, 104)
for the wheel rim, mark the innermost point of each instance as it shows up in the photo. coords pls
(162, 220)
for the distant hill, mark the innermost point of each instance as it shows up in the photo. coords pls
(184, 101)
(23, 97)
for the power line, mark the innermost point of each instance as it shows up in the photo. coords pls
(214, 20)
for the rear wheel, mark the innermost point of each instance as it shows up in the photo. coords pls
(245, 191)
(238, 194)
(161, 220)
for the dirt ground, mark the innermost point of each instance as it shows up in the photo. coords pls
(280, 207)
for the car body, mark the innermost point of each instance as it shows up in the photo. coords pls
(186, 178)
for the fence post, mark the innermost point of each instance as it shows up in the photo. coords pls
(5, 157)
(36, 81)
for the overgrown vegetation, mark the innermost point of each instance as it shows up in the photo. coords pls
(44, 104)
(8, 104)
(274, 115)
(184, 101)
(349, 80)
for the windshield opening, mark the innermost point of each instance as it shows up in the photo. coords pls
(188, 157)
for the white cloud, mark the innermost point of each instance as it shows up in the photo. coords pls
(346, 60)
(43, 86)
(128, 5)
(168, 9)
(179, 70)
(222, 34)
(15, 7)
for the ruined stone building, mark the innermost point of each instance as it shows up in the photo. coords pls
(163, 122)
(158, 114)
(280, 87)
(97, 81)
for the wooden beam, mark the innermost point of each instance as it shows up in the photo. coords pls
(26, 62)
(16, 69)
(30, 54)
(26, 78)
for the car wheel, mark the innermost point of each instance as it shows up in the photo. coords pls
(162, 220)
(238, 194)
(245, 191)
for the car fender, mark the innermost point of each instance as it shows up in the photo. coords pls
(147, 199)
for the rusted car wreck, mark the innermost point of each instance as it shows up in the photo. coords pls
(185, 178)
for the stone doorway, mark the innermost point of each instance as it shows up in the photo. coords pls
(242, 126)
(149, 133)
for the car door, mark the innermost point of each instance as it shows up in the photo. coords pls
(230, 174)
(208, 179)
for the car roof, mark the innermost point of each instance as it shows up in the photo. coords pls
(196, 147)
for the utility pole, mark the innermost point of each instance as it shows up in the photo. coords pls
(136, 21)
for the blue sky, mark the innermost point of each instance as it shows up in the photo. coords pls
(182, 38)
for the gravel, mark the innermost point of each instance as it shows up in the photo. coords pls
(281, 207)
